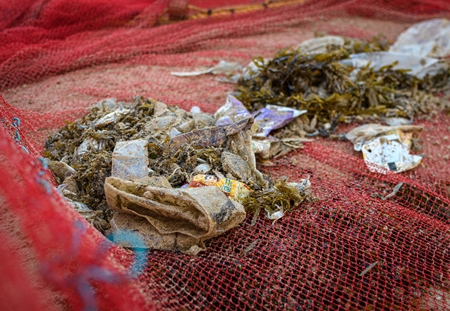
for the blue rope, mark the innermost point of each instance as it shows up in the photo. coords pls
(82, 279)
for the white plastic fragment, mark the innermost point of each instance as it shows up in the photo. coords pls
(319, 45)
(426, 39)
(202, 169)
(78, 206)
(223, 67)
(86, 145)
(302, 185)
(397, 121)
(275, 215)
(261, 147)
(195, 109)
(418, 66)
(386, 148)
(130, 160)
(390, 153)
(252, 70)
(111, 117)
(109, 103)
(174, 132)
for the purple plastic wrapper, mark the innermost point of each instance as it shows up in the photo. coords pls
(232, 112)
(274, 117)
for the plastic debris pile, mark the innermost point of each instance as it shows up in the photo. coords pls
(157, 156)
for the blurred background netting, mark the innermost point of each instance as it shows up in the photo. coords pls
(349, 250)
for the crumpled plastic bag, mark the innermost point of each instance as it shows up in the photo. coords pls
(175, 219)
(386, 148)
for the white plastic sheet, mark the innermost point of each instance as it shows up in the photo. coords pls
(426, 39)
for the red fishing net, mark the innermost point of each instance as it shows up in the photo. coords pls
(349, 250)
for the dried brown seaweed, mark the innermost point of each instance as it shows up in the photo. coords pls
(333, 92)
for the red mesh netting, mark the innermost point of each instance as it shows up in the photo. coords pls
(349, 250)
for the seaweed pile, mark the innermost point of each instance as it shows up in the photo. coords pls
(180, 145)
(332, 92)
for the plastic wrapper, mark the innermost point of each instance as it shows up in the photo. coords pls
(232, 188)
(274, 117)
(418, 66)
(386, 148)
(426, 39)
(232, 112)
(130, 160)
(172, 219)
(267, 119)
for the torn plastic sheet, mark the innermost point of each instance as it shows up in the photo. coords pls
(426, 39)
(386, 147)
(223, 67)
(418, 66)
(273, 117)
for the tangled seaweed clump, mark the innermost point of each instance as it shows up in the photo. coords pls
(180, 145)
(332, 91)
